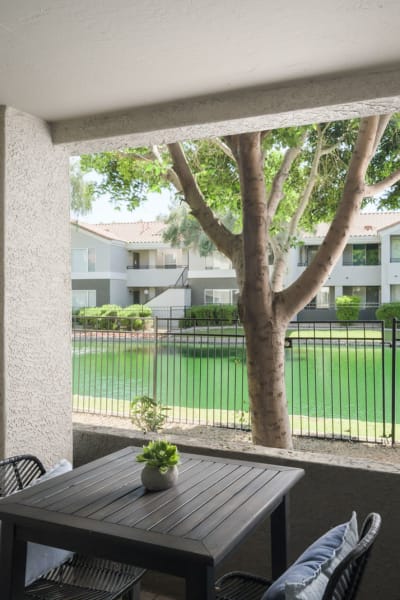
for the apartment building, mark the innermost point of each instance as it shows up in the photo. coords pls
(369, 266)
(129, 263)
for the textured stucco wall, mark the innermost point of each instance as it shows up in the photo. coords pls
(317, 100)
(35, 372)
(333, 486)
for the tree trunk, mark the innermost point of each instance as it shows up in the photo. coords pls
(266, 381)
(264, 327)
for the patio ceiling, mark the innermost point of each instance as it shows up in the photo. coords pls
(68, 59)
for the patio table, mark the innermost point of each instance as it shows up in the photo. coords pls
(102, 509)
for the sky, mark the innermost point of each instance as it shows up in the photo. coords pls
(103, 210)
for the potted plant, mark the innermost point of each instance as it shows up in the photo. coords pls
(160, 471)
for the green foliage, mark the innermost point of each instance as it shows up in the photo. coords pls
(130, 174)
(159, 454)
(210, 314)
(183, 230)
(133, 316)
(82, 192)
(348, 308)
(112, 317)
(147, 414)
(388, 312)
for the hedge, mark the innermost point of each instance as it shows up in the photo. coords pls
(112, 317)
(210, 314)
(348, 308)
(388, 312)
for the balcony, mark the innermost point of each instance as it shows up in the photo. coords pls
(153, 276)
(335, 484)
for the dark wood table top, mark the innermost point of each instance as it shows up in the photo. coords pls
(102, 507)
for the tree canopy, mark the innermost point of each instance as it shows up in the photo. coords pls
(273, 183)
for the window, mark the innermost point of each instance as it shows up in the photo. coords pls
(395, 248)
(361, 254)
(370, 295)
(324, 298)
(220, 296)
(83, 298)
(170, 260)
(83, 260)
(395, 293)
(307, 254)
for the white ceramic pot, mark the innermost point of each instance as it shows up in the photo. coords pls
(155, 481)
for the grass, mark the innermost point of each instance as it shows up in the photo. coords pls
(327, 333)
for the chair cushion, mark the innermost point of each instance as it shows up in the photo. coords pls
(307, 578)
(41, 559)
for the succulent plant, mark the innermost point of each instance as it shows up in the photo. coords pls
(160, 455)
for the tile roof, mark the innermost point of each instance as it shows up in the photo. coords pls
(138, 231)
(366, 224)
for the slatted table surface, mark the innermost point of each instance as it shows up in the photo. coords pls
(101, 508)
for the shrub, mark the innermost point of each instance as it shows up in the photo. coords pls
(209, 314)
(348, 308)
(147, 414)
(90, 317)
(137, 324)
(109, 313)
(109, 309)
(387, 312)
(132, 317)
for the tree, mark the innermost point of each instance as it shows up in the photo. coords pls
(279, 180)
(183, 230)
(81, 191)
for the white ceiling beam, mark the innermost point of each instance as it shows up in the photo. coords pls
(345, 96)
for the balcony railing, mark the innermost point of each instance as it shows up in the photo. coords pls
(141, 266)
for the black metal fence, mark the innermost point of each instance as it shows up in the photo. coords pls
(340, 378)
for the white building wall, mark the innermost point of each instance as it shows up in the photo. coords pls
(119, 293)
(83, 239)
(174, 297)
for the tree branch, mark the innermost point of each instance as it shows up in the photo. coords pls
(379, 187)
(307, 285)
(276, 193)
(232, 141)
(224, 240)
(383, 123)
(170, 175)
(224, 147)
(280, 263)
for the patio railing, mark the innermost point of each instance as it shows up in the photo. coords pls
(340, 378)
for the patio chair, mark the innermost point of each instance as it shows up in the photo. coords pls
(79, 577)
(341, 584)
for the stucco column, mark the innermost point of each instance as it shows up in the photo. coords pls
(35, 342)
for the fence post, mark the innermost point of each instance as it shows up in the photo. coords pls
(394, 336)
(155, 361)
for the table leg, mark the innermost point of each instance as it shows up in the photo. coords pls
(279, 538)
(13, 561)
(200, 582)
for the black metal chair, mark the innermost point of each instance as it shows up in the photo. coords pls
(343, 584)
(80, 577)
